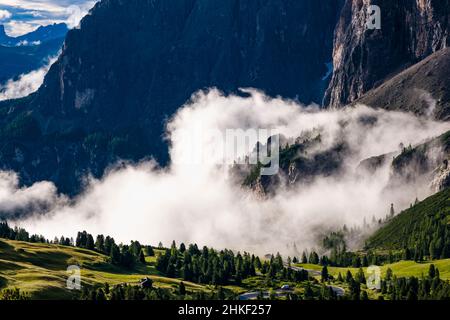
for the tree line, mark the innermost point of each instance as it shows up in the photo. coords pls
(127, 256)
(138, 293)
(19, 234)
(208, 266)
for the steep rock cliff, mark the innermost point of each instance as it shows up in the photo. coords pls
(422, 89)
(364, 58)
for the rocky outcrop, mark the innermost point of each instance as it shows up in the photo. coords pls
(133, 63)
(300, 164)
(364, 58)
(423, 166)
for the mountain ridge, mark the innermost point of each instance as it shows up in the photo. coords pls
(421, 89)
(423, 229)
(40, 34)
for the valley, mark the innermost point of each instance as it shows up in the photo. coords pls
(98, 144)
(38, 269)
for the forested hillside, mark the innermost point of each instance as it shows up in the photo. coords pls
(423, 230)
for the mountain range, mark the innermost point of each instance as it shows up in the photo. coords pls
(41, 34)
(131, 65)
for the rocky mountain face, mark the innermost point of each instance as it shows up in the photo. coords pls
(299, 165)
(133, 63)
(421, 89)
(416, 167)
(15, 61)
(31, 51)
(364, 58)
(422, 166)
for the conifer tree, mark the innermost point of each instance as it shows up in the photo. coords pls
(142, 257)
(181, 289)
(304, 258)
(324, 275)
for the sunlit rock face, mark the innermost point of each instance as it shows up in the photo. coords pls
(132, 64)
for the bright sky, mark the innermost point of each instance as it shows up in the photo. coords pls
(23, 16)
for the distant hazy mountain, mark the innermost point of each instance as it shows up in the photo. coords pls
(29, 52)
(133, 63)
(363, 59)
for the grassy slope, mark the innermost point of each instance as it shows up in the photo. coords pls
(401, 269)
(40, 269)
(403, 228)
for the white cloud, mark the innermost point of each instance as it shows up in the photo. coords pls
(53, 6)
(75, 13)
(30, 14)
(25, 84)
(26, 43)
(204, 204)
(5, 14)
(16, 28)
(14, 198)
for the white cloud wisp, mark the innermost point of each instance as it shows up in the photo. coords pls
(203, 204)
